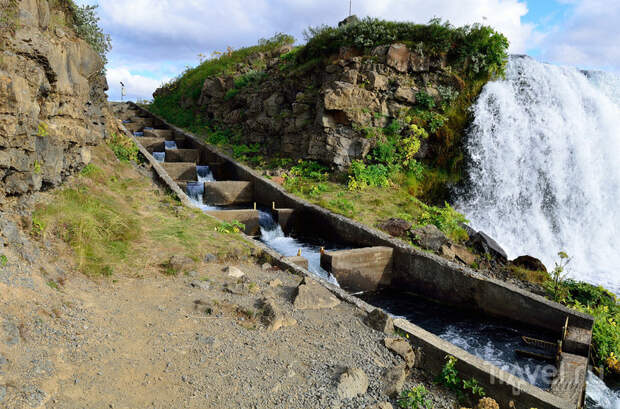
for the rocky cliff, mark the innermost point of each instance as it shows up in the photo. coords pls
(326, 111)
(52, 97)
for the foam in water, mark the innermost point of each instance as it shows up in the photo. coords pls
(170, 144)
(204, 174)
(273, 236)
(159, 156)
(138, 133)
(195, 191)
(599, 396)
(544, 167)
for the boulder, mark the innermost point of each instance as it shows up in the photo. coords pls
(418, 63)
(233, 272)
(18, 183)
(487, 403)
(273, 318)
(529, 263)
(463, 254)
(377, 81)
(353, 382)
(394, 380)
(349, 20)
(398, 57)
(313, 296)
(396, 227)
(401, 347)
(180, 263)
(429, 237)
(380, 321)
(204, 285)
(405, 94)
(485, 244)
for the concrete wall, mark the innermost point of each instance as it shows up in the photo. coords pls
(363, 269)
(181, 170)
(248, 217)
(228, 192)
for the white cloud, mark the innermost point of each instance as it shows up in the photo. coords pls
(138, 86)
(164, 31)
(589, 38)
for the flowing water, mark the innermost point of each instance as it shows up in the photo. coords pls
(159, 156)
(488, 338)
(196, 190)
(544, 166)
(272, 235)
(170, 144)
(204, 174)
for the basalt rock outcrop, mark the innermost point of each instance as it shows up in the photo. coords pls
(52, 98)
(324, 110)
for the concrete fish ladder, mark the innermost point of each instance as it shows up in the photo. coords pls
(378, 260)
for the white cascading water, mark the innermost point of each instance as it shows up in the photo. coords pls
(544, 162)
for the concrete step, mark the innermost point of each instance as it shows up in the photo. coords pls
(571, 379)
(148, 122)
(301, 261)
(228, 193)
(167, 134)
(182, 155)
(182, 171)
(363, 269)
(249, 217)
(577, 341)
(152, 144)
(284, 218)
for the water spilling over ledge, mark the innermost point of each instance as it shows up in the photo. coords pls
(544, 173)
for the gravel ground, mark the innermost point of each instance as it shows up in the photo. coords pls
(191, 341)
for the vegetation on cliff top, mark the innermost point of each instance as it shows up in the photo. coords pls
(478, 49)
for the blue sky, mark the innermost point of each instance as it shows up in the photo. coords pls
(154, 40)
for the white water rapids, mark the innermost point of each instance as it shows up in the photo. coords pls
(544, 163)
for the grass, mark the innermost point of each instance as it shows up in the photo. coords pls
(115, 221)
(536, 277)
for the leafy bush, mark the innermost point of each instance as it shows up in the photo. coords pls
(3, 260)
(415, 398)
(234, 226)
(86, 25)
(362, 176)
(446, 219)
(123, 147)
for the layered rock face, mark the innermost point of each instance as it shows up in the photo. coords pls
(323, 112)
(52, 99)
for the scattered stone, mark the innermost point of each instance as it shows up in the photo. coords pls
(180, 263)
(266, 266)
(485, 244)
(237, 288)
(401, 347)
(200, 284)
(487, 403)
(313, 296)
(377, 81)
(395, 227)
(11, 333)
(380, 321)
(234, 272)
(353, 382)
(394, 380)
(418, 63)
(192, 273)
(2, 393)
(273, 318)
(429, 237)
(205, 340)
(398, 57)
(405, 94)
(447, 252)
(529, 263)
(463, 254)
(381, 405)
(210, 258)
(275, 283)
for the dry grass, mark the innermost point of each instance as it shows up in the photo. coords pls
(116, 221)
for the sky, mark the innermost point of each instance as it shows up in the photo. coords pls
(155, 40)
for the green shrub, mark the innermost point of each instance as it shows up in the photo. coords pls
(3, 260)
(362, 175)
(446, 219)
(234, 226)
(123, 147)
(415, 398)
(86, 25)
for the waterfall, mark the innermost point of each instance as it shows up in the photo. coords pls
(272, 235)
(544, 167)
(159, 156)
(170, 144)
(204, 174)
(599, 396)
